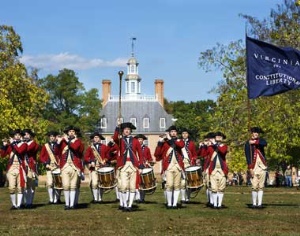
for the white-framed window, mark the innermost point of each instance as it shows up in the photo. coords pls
(146, 123)
(132, 87)
(133, 121)
(103, 122)
(162, 123)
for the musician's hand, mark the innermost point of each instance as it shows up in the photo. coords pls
(252, 141)
(168, 136)
(119, 121)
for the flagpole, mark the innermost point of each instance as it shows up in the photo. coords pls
(248, 100)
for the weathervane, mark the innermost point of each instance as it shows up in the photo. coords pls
(132, 45)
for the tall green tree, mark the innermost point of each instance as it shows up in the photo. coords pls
(277, 115)
(70, 103)
(22, 102)
(194, 116)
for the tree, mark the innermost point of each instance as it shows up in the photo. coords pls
(277, 115)
(194, 116)
(69, 103)
(21, 100)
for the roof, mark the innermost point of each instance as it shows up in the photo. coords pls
(139, 110)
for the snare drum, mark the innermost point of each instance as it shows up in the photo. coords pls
(193, 177)
(148, 181)
(57, 180)
(107, 177)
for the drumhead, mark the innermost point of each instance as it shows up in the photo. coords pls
(106, 169)
(56, 171)
(192, 168)
(146, 170)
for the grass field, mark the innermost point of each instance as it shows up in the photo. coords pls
(280, 216)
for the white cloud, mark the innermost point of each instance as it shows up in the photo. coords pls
(70, 61)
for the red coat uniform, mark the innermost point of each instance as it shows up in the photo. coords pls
(31, 154)
(112, 152)
(146, 157)
(134, 148)
(191, 151)
(19, 148)
(89, 155)
(44, 155)
(76, 149)
(221, 151)
(162, 149)
(202, 152)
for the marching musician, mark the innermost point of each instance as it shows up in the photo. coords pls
(112, 154)
(147, 162)
(70, 164)
(218, 169)
(202, 152)
(49, 156)
(96, 157)
(31, 166)
(128, 163)
(169, 150)
(15, 149)
(257, 165)
(189, 159)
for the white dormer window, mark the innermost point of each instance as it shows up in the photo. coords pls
(133, 121)
(162, 123)
(146, 123)
(103, 122)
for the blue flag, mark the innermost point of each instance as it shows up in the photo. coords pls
(271, 70)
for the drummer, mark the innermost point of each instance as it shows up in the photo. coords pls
(169, 150)
(147, 162)
(189, 159)
(128, 163)
(49, 156)
(95, 158)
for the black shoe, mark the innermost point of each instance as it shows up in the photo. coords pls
(129, 209)
(14, 208)
(50, 203)
(253, 206)
(121, 208)
(259, 207)
(169, 207)
(72, 208)
(29, 206)
(100, 202)
(175, 207)
(67, 208)
(209, 204)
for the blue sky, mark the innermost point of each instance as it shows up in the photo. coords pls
(92, 37)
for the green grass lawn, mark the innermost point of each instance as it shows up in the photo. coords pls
(280, 215)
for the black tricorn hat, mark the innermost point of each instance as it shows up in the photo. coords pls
(256, 130)
(209, 135)
(172, 127)
(96, 134)
(185, 130)
(141, 136)
(127, 125)
(220, 134)
(29, 131)
(16, 131)
(52, 132)
(71, 127)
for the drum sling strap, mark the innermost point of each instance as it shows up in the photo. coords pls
(97, 154)
(51, 155)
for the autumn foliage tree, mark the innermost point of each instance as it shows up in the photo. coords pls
(21, 100)
(276, 115)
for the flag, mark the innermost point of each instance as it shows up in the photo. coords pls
(271, 70)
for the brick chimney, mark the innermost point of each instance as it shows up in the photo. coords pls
(159, 91)
(106, 91)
